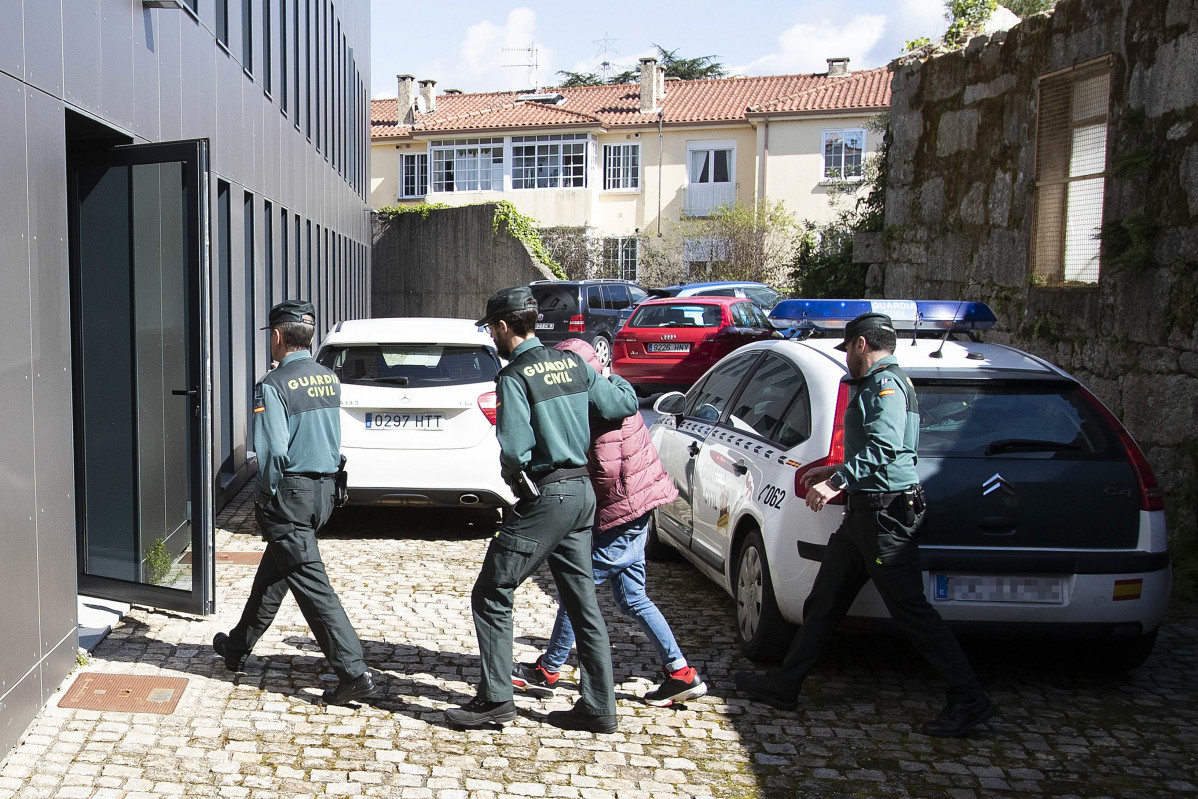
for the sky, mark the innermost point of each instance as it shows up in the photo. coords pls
(469, 44)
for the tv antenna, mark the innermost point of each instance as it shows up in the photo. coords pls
(530, 52)
(606, 67)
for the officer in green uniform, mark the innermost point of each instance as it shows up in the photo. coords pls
(544, 401)
(876, 540)
(297, 435)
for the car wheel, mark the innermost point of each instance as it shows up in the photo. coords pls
(761, 631)
(602, 349)
(655, 548)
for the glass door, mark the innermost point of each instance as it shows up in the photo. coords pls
(142, 374)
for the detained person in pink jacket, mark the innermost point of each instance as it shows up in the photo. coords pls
(629, 482)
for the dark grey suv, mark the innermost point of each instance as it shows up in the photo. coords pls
(585, 309)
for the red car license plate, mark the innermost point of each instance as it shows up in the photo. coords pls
(670, 346)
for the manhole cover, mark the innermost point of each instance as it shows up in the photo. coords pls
(231, 558)
(124, 693)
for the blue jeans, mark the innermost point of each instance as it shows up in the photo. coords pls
(618, 558)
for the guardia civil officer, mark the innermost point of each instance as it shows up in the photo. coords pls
(544, 401)
(876, 540)
(297, 436)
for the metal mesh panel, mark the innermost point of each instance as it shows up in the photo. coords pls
(1071, 134)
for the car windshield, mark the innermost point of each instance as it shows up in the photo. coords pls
(997, 419)
(676, 316)
(763, 296)
(411, 365)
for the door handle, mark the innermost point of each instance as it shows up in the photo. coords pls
(740, 468)
(194, 393)
(693, 449)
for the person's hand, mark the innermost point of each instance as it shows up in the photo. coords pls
(819, 475)
(819, 494)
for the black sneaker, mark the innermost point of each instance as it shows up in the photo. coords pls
(769, 689)
(478, 712)
(958, 718)
(360, 687)
(679, 686)
(234, 660)
(572, 719)
(534, 679)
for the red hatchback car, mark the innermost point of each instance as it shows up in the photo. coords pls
(667, 344)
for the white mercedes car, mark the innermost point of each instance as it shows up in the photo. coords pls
(418, 412)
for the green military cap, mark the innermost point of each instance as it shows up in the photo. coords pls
(505, 301)
(864, 322)
(292, 311)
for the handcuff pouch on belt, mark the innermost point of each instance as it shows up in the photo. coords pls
(340, 485)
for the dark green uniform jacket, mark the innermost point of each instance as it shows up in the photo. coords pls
(881, 431)
(298, 390)
(544, 399)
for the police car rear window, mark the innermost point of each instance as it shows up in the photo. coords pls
(1011, 420)
(410, 365)
(676, 316)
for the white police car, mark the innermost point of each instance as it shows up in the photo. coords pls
(1044, 516)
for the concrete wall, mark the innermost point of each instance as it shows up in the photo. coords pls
(445, 265)
(960, 202)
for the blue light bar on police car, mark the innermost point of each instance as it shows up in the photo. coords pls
(835, 314)
(905, 314)
(947, 314)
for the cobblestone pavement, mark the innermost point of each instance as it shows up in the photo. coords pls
(405, 579)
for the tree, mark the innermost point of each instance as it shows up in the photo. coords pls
(737, 242)
(700, 68)
(966, 18)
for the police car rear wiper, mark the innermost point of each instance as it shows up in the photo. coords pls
(1028, 445)
(395, 381)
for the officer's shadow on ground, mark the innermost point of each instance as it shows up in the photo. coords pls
(410, 680)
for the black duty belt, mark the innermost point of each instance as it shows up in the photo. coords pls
(309, 475)
(877, 500)
(557, 475)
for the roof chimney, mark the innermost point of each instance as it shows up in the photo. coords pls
(406, 99)
(650, 94)
(838, 67)
(661, 81)
(429, 95)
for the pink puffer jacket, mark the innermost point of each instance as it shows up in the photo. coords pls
(628, 476)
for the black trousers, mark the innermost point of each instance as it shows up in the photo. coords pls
(874, 545)
(292, 562)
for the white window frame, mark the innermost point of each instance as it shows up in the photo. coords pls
(540, 161)
(704, 196)
(477, 165)
(834, 162)
(622, 167)
(419, 162)
(622, 256)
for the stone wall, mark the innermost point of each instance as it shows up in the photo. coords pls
(959, 214)
(445, 263)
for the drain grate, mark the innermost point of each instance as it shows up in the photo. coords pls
(231, 558)
(124, 693)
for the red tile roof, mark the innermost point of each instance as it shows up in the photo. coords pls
(686, 102)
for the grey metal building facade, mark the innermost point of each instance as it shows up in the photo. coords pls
(171, 168)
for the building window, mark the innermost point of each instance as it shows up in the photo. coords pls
(843, 152)
(549, 161)
(468, 165)
(247, 36)
(267, 54)
(621, 256)
(1071, 142)
(413, 174)
(222, 22)
(621, 166)
(711, 176)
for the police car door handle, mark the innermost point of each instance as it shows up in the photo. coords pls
(740, 468)
(693, 449)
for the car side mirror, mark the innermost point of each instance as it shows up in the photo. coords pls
(672, 403)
